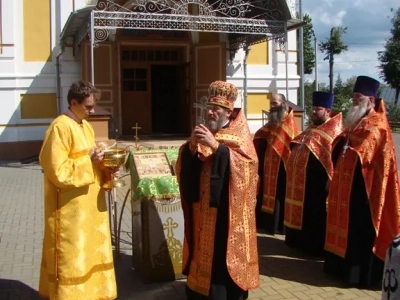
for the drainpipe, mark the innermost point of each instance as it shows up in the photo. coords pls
(246, 53)
(58, 80)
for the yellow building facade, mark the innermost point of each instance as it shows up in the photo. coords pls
(149, 77)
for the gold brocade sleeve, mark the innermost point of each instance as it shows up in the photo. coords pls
(61, 167)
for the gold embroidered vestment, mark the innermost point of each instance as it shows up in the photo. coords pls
(317, 140)
(370, 141)
(278, 139)
(77, 261)
(242, 255)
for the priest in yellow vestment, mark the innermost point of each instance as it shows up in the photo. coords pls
(77, 261)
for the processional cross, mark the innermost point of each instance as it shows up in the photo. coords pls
(202, 106)
(136, 135)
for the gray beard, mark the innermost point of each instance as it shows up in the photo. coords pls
(216, 125)
(276, 116)
(355, 113)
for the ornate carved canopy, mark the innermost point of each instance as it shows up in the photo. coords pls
(246, 21)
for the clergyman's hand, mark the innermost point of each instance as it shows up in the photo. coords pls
(204, 136)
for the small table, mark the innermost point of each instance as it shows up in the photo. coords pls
(157, 225)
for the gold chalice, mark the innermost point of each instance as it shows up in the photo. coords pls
(114, 158)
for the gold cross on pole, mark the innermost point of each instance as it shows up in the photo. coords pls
(136, 135)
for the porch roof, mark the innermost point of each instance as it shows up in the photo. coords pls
(246, 21)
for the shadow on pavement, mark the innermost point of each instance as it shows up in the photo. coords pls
(14, 289)
(130, 286)
(21, 165)
(277, 260)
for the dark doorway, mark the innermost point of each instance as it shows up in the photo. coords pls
(166, 99)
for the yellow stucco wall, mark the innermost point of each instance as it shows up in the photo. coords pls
(258, 102)
(38, 106)
(258, 54)
(37, 30)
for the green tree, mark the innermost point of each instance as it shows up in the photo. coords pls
(390, 57)
(308, 52)
(308, 91)
(343, 94)
(331, 47)
(339, 86)
(341, 101)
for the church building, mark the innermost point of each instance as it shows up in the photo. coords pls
(152, 60)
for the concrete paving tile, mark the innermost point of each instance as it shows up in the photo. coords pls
(283, 286)
(330, 294)
(275, 297)
(328, 289)
(269, 283)
(285, 293)
(285, 274)
(258, 293)
(359, 293)
(313, 291)
(300, 295)
(347, 296)
(298, 289)
(269, 291)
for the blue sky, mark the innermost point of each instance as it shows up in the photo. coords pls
(368, 25)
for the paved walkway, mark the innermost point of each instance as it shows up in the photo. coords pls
(284, 273)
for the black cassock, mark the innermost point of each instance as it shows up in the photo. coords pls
(311, 238)
(222, 285)
(360, 266)
(271, 223)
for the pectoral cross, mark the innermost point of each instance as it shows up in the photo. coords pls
(202, 106)
(302, 142)
(345, 147)
(136, 134)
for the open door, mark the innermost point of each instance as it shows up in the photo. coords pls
(166, 99)
(209, 65)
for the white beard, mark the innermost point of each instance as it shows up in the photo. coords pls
(216, 125)
(355, 113)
